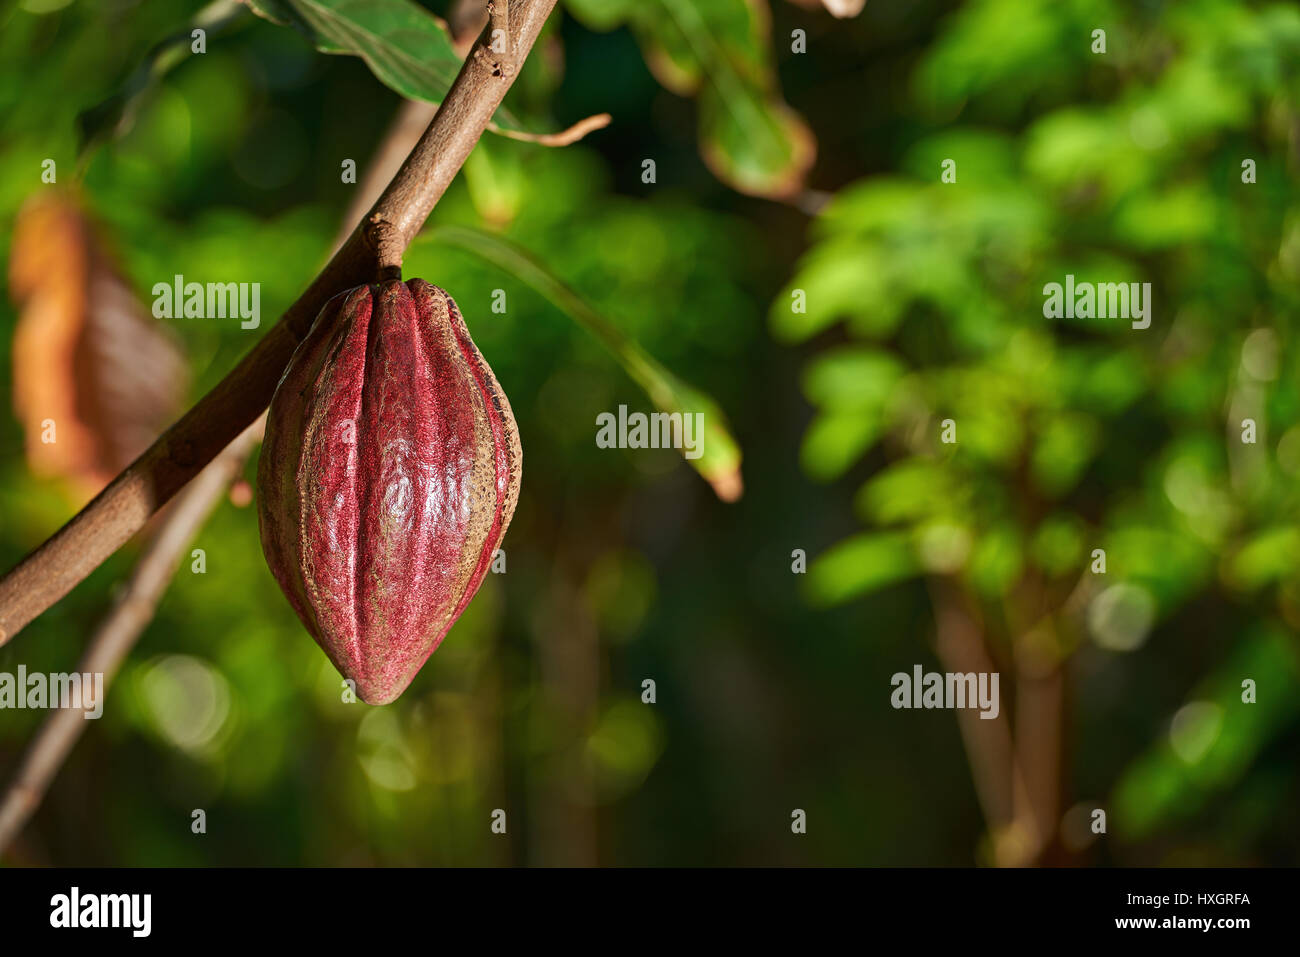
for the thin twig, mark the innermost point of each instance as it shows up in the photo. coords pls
(117, 634)
(563, 137)
(373, 249)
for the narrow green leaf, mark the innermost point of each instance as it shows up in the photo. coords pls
(837, 439)
(720, 462)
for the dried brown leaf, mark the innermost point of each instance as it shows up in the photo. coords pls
(89, 360)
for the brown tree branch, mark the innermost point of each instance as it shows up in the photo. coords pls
(374, 249)
(562, 137)
(117, 634)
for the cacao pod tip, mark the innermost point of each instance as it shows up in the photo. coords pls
(389, 473)
(380, 689)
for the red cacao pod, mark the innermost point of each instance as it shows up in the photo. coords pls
(388, 475)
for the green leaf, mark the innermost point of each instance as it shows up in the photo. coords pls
(997, 560)
(986, 156)
(1003, 51)
(835, 440)
(1073, 148)
(909, 491)
(1269, 556)
(756, 144)
(720, 462)
(685, 40)
(748, 137)
(720, 51)
(847, 278)
(407, 48)
(1176, 217)
(860, 565)
(852, 386)
(851, 378)
(601, 14)
(873, 206)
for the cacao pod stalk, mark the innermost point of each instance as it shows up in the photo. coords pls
(389, 473)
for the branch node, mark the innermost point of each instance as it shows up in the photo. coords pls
(383, 237)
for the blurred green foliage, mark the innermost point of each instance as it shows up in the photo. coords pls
(1074, 435)
(720, 51)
